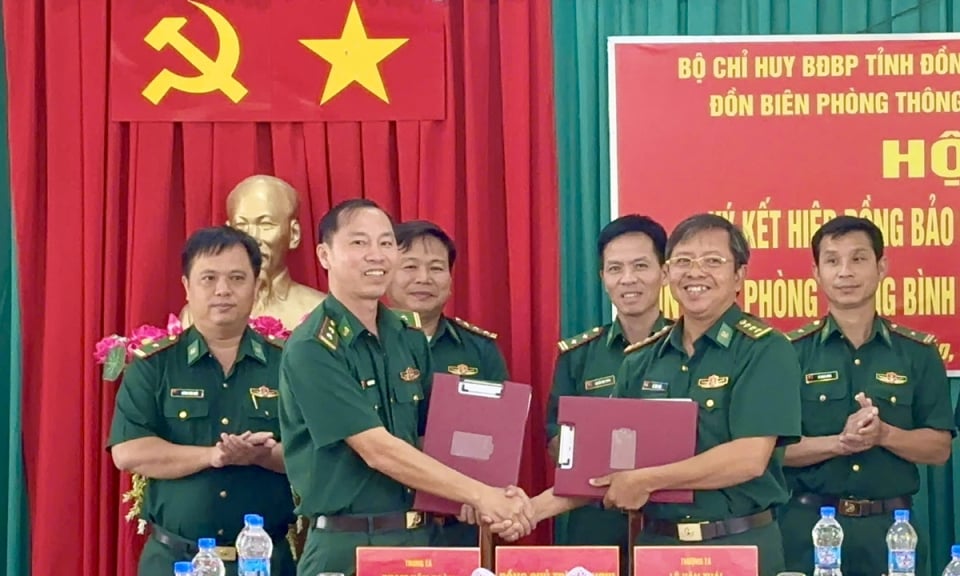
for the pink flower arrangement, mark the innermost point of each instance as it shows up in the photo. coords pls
(115, 351)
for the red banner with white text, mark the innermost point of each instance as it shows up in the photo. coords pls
(780, 134)
(290, 61)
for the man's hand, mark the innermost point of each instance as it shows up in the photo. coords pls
(625, 490)
(247, 449)
(508, 513)
(513, 530)
(864, 428)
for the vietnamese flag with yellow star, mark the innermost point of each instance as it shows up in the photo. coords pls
(291, 61)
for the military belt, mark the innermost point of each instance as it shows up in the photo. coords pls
(184, 548)
(701, 531)
(410, 520)
(853, 507)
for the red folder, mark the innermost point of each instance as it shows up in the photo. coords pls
(599, 436)
(477, 428)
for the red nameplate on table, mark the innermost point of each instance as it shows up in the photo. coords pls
(416, 561)
(557, 560)
(603, 435)
(695, 561)
(477, 428)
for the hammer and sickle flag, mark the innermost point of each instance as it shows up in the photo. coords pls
(216, 74)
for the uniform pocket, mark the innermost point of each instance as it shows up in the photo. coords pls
(825, 408)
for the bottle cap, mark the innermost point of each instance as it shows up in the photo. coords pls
(254, 520)
(955, 550)
(828, 511)
(901, 515)
(206, 543)
(183, 568)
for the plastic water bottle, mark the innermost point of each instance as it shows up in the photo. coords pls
(182, 569)
(901, 546)
(827, 542)
(953, 568)
(254, 548)
(206, 562)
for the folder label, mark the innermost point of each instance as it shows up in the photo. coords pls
(623, 449)
(470, 445)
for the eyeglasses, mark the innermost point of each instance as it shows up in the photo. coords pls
(710, 262)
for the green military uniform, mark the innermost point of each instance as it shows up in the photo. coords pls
(466, 350)
(588, 366)
(743, 376)
(901, 371)
(337, 380)
(177, 391)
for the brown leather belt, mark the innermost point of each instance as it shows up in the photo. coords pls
(410, 520)
(183, 548)
(700, 531)
(855, 508)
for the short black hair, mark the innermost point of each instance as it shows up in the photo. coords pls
(330, 222)
(407, 232)
(631, 224)
(843, 225)
(701, 223)
(214, 240)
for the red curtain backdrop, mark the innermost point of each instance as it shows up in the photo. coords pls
(102, 209)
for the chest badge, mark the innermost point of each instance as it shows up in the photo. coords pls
(410, 374)
(654, 386)
(463, 370)
(891, 378)
(713, 381)
(602, 382)
(186, 393)
(261, 393)
(821, 377)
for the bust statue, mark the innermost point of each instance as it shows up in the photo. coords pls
(266, 208)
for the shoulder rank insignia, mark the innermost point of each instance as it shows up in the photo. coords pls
(474, 328)
(804, 331)
(328, 333)
(278, 342)
(658, 335)
(753, 327)
(148, 349)
(410, 318)
(915, 335)
(579, 340)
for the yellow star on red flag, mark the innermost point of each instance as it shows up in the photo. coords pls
(354, 57)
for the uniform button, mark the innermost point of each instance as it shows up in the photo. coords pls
(266, 412)
(183, 414)
(223, 493)
(893, 399)
(225, 385)
(710, 403)
(856, 467)
(683, 368)
(376, 406)
(823, 397)
(224, 420)
(220, 532)
(857, 361)
(416, 397)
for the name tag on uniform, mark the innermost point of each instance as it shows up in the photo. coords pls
(597, 383)
(653, 386)
(820, 377)
(186, 393)
(368, 383)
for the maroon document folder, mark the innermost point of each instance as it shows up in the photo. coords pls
(475, 427)
(603, 435)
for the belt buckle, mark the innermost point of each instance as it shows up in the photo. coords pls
(690, 531)
(414, 519)
(226, 553)
(853, 508)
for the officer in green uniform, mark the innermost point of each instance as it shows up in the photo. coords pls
(354, 384)
(422, 284)
(197, 416)
(876, 402)
(630, 251)
(740, 373)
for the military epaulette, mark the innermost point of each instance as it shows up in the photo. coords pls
(411, 319)
(915, 335)
(278, 342)
(804, 331)
(147, 349)
(474, 328)
(579, 340)
(753, 327)
(327, 334)
(659, 334)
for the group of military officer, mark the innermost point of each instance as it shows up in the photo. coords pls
(224, 421)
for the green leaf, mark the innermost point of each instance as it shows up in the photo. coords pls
(116, 362)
